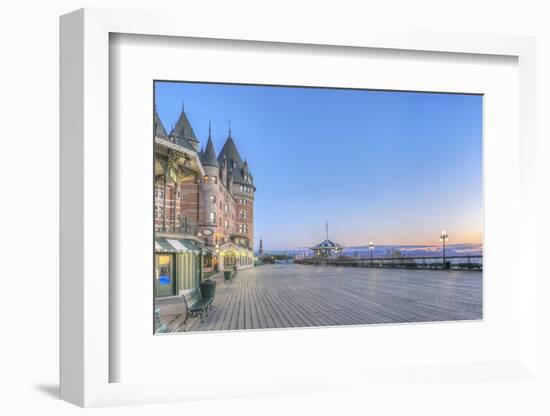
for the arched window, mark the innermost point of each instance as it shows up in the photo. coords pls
(213, 199)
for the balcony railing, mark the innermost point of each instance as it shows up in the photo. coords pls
(184, 225)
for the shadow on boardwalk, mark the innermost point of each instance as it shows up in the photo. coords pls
(282, 296)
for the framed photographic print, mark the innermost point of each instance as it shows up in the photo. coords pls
(388, 165)
(282, 213)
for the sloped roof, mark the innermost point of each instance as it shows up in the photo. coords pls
(183, 129)
(327, 244)
(208, 157)
(235, 164)
(159, 127)
(229, 150)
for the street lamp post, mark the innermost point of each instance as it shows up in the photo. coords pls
(443, 237)
(371, 248)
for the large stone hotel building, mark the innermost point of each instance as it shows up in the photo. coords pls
(203, 208)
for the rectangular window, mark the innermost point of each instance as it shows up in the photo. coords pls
(212, 217)
(206, 179)
(214, 179)
(213, 199)
(226, 224)
(226, 208)
(243, 213)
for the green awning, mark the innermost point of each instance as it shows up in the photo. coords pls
(172, 245)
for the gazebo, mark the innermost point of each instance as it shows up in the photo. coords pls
(327, 247)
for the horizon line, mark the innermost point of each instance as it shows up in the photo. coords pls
(382, 245)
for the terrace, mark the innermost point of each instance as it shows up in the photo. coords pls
(293, 295)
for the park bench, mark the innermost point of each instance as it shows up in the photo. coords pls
(229, 274)
(195, 304)
(160, 326)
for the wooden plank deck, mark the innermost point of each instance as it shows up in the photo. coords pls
(281, 296)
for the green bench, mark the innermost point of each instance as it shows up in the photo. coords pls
(160, 327)
(229, 274)
(195, 304)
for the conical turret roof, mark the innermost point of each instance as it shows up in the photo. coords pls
(232, 156)
(159, 129)
(208, 157)
(183, 129)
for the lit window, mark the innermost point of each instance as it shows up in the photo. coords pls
(206, 179)
(212, 217)
(226, 224)
(213, 199)
(243, 213)
(226, 208)
(214, 179)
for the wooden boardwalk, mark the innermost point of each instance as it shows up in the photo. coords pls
(282, 296)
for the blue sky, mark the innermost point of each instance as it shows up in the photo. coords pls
(382, 166)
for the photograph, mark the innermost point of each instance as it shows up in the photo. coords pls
(305, 207)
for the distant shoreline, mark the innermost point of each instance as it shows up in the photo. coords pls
(410, 250)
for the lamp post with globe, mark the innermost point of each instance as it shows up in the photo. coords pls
(371, 248)
(443, 237)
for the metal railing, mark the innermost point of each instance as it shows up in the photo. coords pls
(184, 225)
(470, 262)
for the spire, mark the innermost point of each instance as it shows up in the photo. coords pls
(326, 226)
(209, 129)
(183, 131)
(208, 157)
(229, 123)
(182, 114)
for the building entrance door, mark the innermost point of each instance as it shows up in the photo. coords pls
(165, 284)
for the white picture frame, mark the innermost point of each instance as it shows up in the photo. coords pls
(86, 290)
